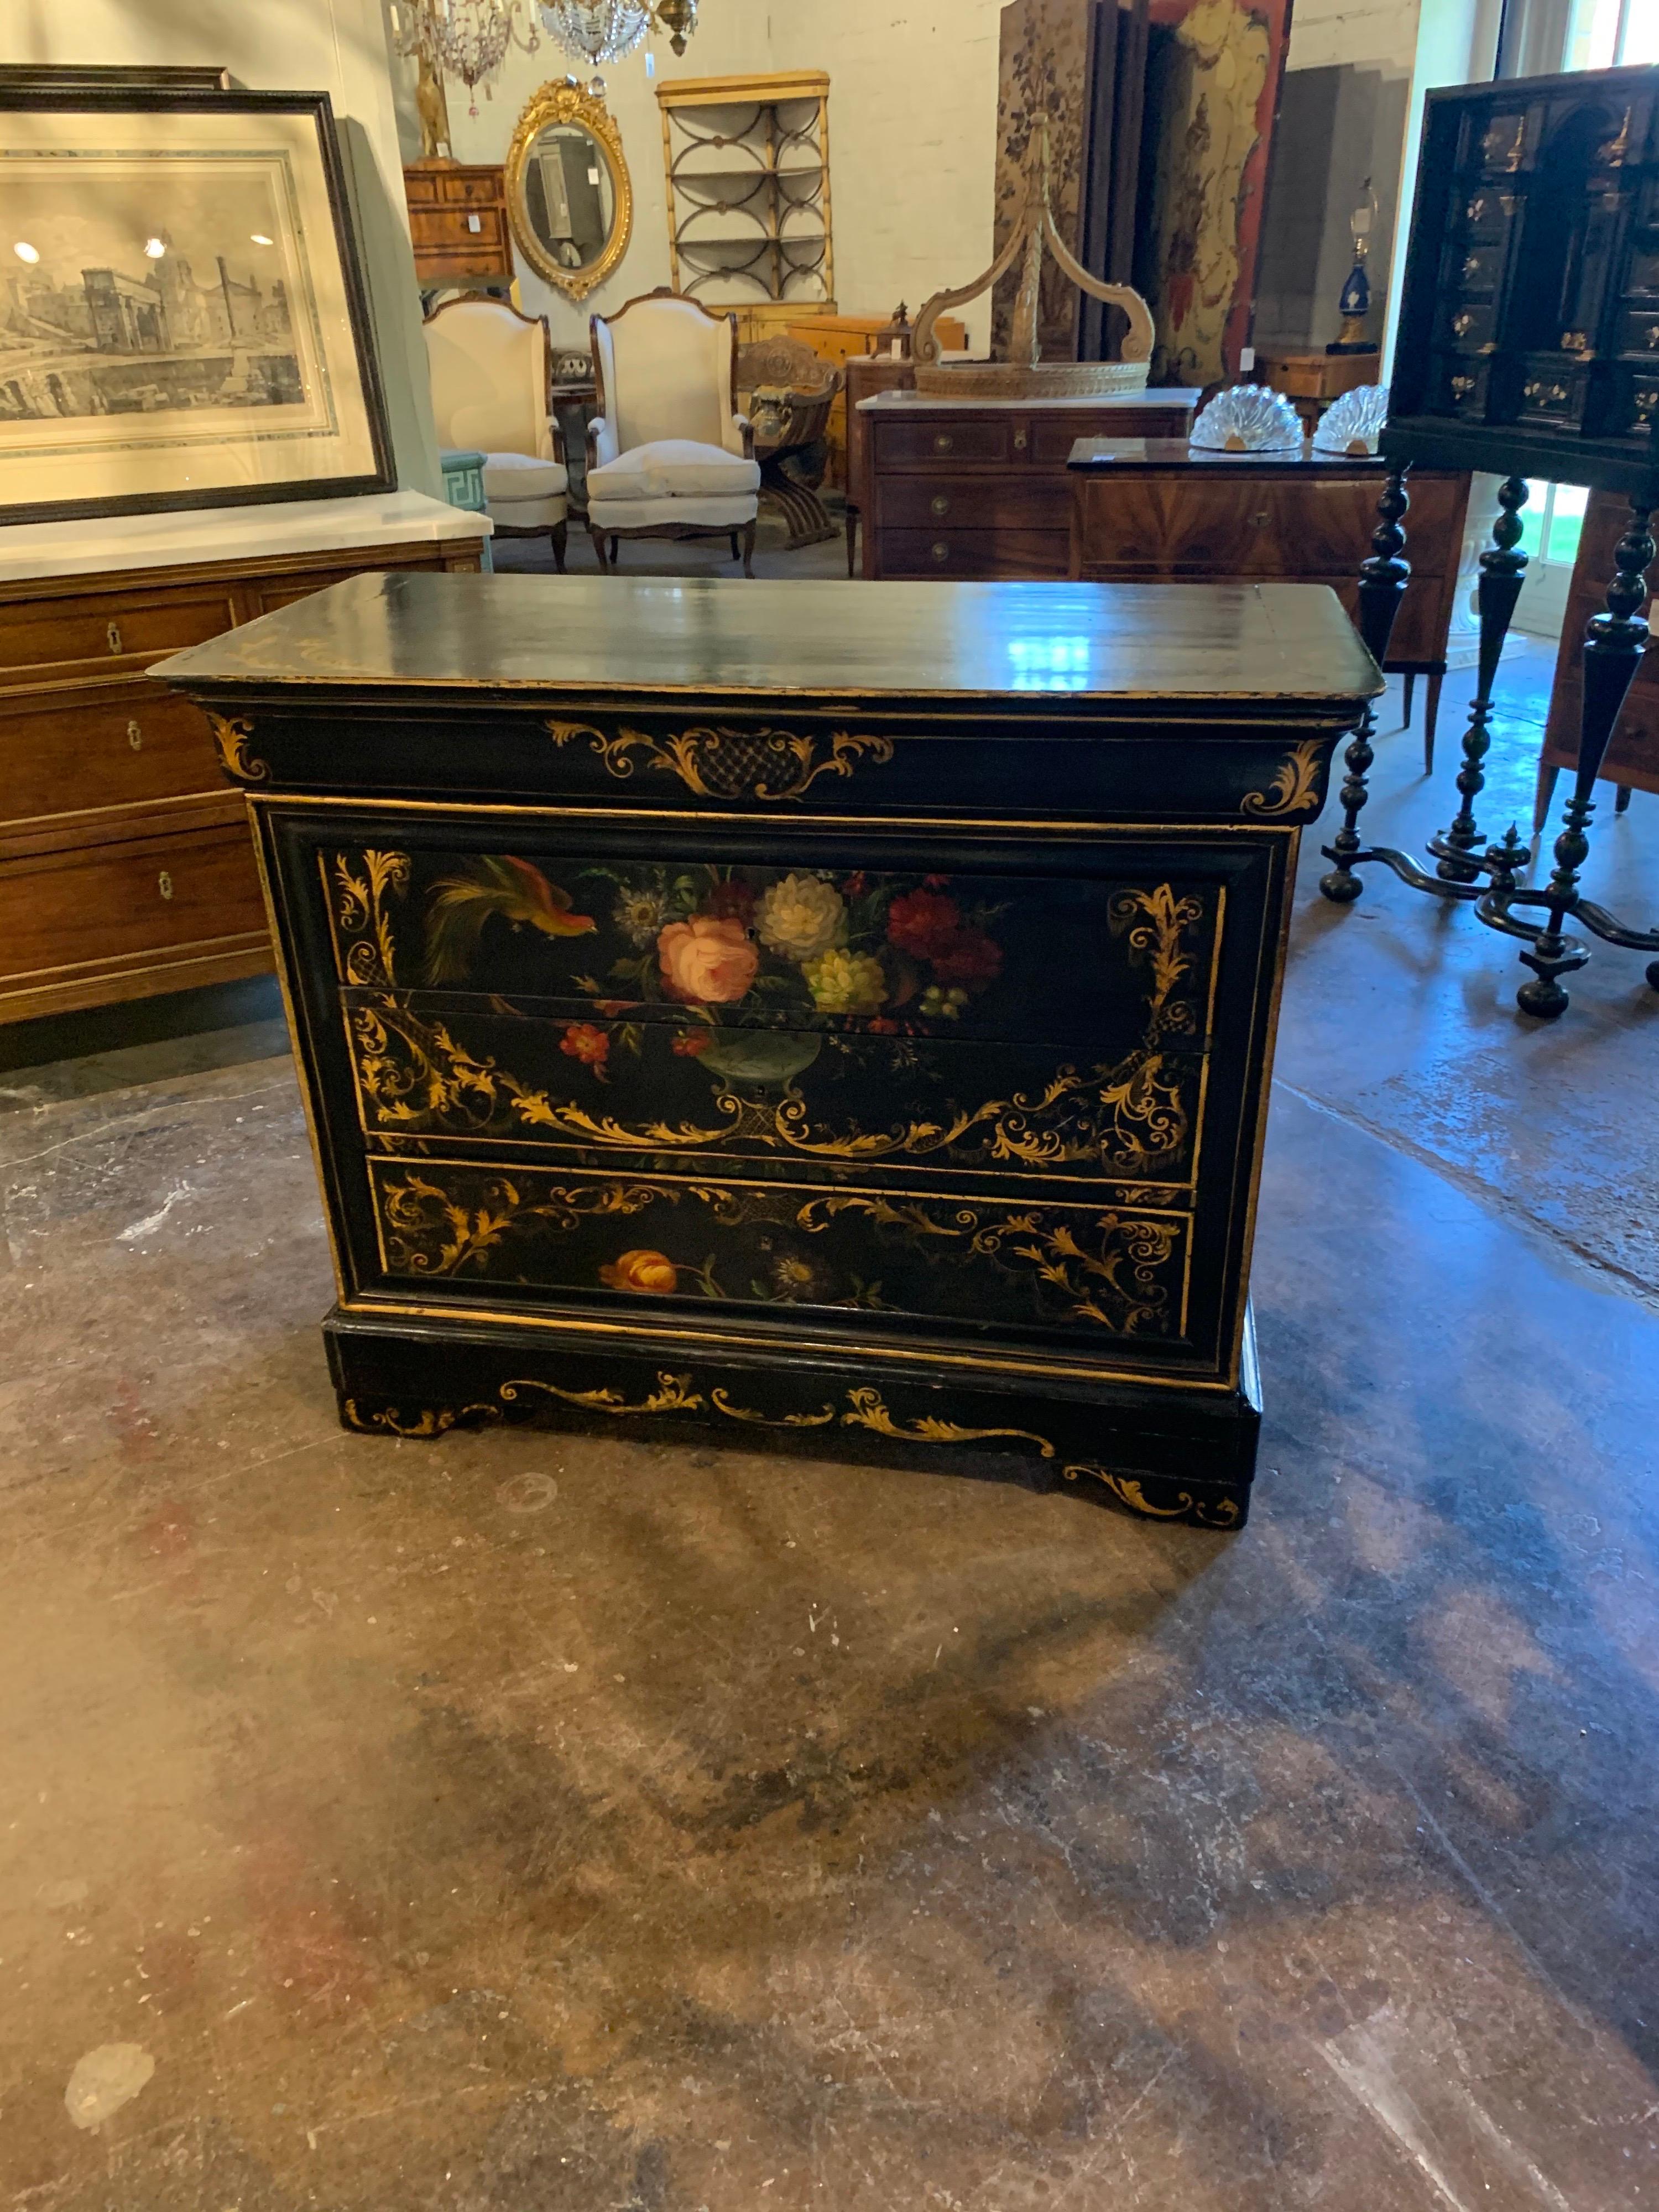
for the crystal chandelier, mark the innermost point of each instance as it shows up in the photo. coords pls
(605, 30)
(467, 39)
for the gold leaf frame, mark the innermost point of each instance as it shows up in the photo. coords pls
(552, 104)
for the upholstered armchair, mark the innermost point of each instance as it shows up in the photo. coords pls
(668, 453)
(489, 371)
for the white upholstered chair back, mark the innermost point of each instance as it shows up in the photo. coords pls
(490, 378)
(665, 366)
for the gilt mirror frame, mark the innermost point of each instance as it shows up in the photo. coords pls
(559, 102)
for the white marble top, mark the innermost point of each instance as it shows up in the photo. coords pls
(920, 403)
(100, 543)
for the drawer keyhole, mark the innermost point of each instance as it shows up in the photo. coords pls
(942, 443)
(1260, 520)
(941, 506)
(1021, 440)
(113, 633)
(164, 883)
(135, 737)
(941, 552)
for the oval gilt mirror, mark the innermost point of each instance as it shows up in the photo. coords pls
(568, 196)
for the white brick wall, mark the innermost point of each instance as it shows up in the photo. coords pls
(913, 103)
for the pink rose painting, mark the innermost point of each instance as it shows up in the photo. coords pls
(707, 960)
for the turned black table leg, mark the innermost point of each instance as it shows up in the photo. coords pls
(1613, 650)
(1503, 570)
(1383, 581)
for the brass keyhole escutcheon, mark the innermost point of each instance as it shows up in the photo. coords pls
(942, 443)
(164, 883)
(113, 633)
(135, 736)
(941, 552)
(940, 505)
(1260, 520)
(1021, 439)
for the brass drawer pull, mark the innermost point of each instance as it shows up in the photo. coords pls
(113, 633)
(940, 550)
(943, 442)
(135, 737)
(941, 506)
(164, 883)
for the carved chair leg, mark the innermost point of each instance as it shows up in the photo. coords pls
(598, 536)
(560, 534)
(737, 552)
(615, 552)
(1432, 717)
(1410, 692)
(748, 549)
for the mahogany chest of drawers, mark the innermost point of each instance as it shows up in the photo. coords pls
(457, 222)
(125, 868)
(978, 488)
(841, 1018)
(1161, 508)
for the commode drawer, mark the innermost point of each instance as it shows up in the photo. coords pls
(118, 745)
(78, 913)
(40, 633)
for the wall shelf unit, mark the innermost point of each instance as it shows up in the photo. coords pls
(748, 167)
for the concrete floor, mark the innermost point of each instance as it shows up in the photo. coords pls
(574, 1824)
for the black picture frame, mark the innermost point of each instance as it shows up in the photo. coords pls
(52, 91)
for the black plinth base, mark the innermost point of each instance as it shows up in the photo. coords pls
(1172, 1455)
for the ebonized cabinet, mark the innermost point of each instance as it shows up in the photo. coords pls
(1529, 317)
(843, 1016)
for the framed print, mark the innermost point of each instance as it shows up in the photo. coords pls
(182, 316)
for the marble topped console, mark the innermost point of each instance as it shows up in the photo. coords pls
(125, 865)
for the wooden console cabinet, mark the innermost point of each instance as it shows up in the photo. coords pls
(1162, 508)
(125, 868)
(978, 488)
(803, 1015)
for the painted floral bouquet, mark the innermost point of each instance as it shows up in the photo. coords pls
(746, 951)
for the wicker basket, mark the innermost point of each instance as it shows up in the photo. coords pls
(1048, 379)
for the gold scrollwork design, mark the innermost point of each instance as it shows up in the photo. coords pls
(1106, 1266)
(1128, 1490)
(725, 763)
(417, 1212)
(431, 1421)
(869, 1411)
(722, 1404)
(1295, 784)
(418, 1076)
(674, 1395)
(232, 734)
(361, 905)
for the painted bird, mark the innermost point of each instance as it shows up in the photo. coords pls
(499, 884)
